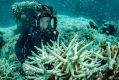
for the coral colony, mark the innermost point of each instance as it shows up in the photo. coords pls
(73, 61)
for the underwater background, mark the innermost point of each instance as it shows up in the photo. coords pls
(98, 10)
(87, 46)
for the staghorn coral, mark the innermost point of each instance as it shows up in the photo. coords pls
(9, 65)
(8, 70)
(74, 61)
(8, 49)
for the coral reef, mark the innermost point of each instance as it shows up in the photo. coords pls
(7, 33)
(69, 26)
(8, 48)
(80, 26)
(9, 70)
(6, 70)
(9, 65)
(75, 61)
(69, 57)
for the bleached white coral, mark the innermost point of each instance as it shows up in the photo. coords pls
(8, 70)
(74, 61)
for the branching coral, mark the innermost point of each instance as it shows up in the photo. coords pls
(7, 70)
(74, 61)
(9, 65)
(8, 49)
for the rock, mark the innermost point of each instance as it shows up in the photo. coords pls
(109, 28)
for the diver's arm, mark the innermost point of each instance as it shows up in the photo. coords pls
(20, 45)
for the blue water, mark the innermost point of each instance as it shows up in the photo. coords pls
(98, 10)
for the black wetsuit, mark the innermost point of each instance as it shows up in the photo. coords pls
(37, 36)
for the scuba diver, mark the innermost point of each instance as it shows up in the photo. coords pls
(43, 31)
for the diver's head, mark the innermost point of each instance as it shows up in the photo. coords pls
(44, 22)
(46, 18)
